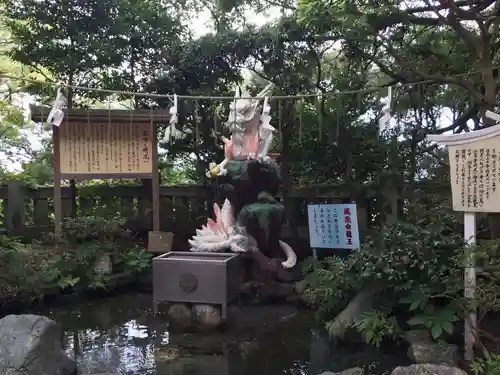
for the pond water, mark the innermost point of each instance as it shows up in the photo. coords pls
(120, 335)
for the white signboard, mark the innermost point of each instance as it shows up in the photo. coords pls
(333, 226)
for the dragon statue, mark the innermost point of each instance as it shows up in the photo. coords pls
(250, 219)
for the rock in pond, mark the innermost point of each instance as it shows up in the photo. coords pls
(32, 345)
(349, 371)
(435, 353)
(417, 336)
(341, 328)
(207, 316)
(180, 314)
(195, 364)
(427, 369)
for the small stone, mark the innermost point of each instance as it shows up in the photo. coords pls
(349, 371)
(180, 314)
(434, 353)
(208, 316)
(426, 369)
(352, 371)
(417, 336)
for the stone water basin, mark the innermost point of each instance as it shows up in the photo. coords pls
(120, 335)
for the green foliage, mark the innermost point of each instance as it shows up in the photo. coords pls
(411, 256)
(38, 170)
(13, 142)
(74, 268)
(152, 50)
(130, 28)
(330, 284)
(486, 366)
(420, 266)
(18, 270)
(376, 327)
(438, 320)
(86, 228)
(135, 259)
(68, 264)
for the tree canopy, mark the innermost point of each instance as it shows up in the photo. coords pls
(440, 56)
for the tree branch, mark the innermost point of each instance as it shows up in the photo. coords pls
(472, 41)
(443, 6)
(410, 67)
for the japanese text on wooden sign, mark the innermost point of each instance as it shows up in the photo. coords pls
(333, 226)
(105, 148)
(475, 177)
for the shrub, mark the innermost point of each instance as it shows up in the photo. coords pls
(376, 326)
(330, 284)
(490, 365)
(421, 266)
(19, 270)
(70, 264)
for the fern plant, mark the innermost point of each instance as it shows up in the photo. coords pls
(376, 326)
(486, 366)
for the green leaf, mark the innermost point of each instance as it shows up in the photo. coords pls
(407, 299)
(417, 321)
(414, 305)
(369, 336)
(448, 327)
(436, 331)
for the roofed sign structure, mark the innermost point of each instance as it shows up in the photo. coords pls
(474, 169)
(105, 144)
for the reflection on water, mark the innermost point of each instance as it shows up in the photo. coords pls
(121, 336)
(126, 348)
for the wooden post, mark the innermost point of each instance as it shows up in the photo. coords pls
(41, 208)
(155, 195)
(57, 183)
(474, 164)
(120, 120)
(470, 284)
(14, 217)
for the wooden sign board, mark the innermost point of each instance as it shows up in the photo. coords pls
(474, 162)
(474, 169)
(475, 176)
(90, 150)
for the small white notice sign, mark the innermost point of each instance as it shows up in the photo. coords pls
(333, 226)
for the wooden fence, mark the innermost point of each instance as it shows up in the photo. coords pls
(27, 211)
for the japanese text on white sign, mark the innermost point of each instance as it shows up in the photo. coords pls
(333, 226)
